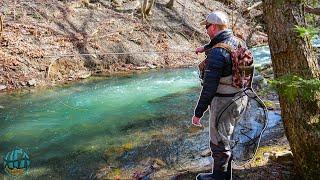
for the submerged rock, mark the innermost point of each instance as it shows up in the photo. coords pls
(206, 153)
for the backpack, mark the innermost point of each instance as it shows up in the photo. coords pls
(242, 64)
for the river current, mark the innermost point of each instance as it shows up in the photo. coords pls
(92, 114)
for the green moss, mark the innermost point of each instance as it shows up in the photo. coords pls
(268, 103)
(260, 159)
(292, 86)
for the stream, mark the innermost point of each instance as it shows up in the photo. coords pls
(56, 125)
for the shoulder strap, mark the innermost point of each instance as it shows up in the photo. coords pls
(224, 46)
(241, 42)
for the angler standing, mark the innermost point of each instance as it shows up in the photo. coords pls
(220, 86)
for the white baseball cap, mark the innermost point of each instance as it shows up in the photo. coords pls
(216, 17)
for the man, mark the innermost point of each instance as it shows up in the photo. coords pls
(217, 92)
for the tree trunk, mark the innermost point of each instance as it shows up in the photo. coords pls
(170, 4)
(1, 27)
(293, 54)
(143, 8)
(150, 6)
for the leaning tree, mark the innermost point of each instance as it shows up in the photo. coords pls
(296, 69)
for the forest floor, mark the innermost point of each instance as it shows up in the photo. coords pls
(43, 42)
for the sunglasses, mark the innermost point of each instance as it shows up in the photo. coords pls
(208, 25)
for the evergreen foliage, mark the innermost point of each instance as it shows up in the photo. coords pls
(307, 32)
(292, 86)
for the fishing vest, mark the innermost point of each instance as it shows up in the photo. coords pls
(242, 64)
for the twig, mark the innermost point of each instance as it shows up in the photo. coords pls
(14, 10)
(312, 10)
(255, 5)
(1, 27)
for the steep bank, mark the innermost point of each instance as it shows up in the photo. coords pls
(35, 34)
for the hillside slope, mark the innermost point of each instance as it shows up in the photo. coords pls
(47, 42)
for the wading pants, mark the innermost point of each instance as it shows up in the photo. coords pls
(222, 122)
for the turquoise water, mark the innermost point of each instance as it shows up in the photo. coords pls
(316, 42)
(262, 54)
(60, 120)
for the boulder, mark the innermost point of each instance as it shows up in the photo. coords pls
(2, 87)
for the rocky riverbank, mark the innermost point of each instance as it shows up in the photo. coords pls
(48, 42)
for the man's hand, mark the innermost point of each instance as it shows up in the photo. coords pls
(196, 121)
(200, 50)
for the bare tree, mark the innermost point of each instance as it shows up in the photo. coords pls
(170, 4)
(146, 7)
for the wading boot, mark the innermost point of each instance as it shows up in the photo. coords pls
(221, 164)
(229, 170)
(216, 175)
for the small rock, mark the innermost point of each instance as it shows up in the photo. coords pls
(141, 67)
(100, 173)
(264, 83)
(23, 83)
(1, 107)
(257, 79)
(2, 87)
(84, 74)
(266, 155)
(277, 105)
(266, 66)
(206, 153)
(32, 82)
(43, 68)
(151, 66)
(282, 157)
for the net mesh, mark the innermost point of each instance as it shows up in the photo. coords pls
(248, 129)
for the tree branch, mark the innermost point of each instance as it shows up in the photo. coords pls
(312, 10)
(254, 6)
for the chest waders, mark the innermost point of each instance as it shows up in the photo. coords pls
(248, 129)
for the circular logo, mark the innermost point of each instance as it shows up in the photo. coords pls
(16, 162)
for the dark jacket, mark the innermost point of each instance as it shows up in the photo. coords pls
(218, 65)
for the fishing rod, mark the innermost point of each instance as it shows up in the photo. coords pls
(120, 53)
